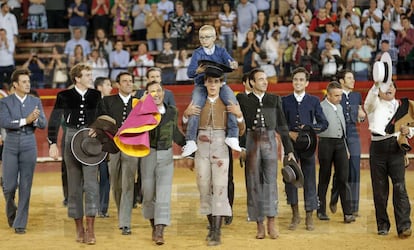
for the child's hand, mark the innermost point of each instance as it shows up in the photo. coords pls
(233, 64)
(201, 69)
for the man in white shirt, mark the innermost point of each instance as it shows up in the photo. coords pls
(386, 158)
(8, 22)
(6, 56)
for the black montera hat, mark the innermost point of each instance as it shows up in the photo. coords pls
(214, 69)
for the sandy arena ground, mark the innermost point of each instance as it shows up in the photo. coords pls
(50, 228)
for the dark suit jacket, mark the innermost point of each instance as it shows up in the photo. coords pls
(113, 106)
(68, 104)
(272, 112)
(310, 113)
(350, 107)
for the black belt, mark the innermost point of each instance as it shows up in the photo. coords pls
(331, 138)
(375, 134)
(22, 130)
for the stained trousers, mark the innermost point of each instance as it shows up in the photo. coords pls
(212, 166)
(261, 174)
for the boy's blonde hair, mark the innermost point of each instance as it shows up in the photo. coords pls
(208, 27)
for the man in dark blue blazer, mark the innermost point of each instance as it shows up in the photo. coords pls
(20, 115)
(303, 109)
(352, 106)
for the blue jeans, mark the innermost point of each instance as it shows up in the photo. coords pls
(228, 43)
(199, 98)
(155, 44)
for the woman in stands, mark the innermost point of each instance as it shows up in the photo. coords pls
(181, 62)
(139, 30)
(58, 68)
(102, 43)
(228, 20)
(78, 56)
(249, 46)
(121, 23)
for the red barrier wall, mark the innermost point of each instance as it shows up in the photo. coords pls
(182, 95)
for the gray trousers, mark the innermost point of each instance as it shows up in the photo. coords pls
(122, 170)
(157, 171)
(261, 174)
(19, 161)
(82, 183)
(212, 165)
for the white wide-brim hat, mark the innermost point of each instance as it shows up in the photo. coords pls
(382, 72)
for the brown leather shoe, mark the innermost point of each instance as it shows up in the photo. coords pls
(90, 232)
(260, 230)
(159, 234)
(80, 231)
(309, 221)
(271, 231)
(295, 218)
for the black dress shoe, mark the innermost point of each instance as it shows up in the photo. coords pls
(126, 231)
(348, 218)
(383, 232)
(10, 219)
(332, 207)
(228, 220)
(103, 215)
(20, 230)
(323, 216)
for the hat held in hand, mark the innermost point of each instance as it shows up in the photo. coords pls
(305, 143)
(86, 149)
(382, 72)
(292, 173)
(106, 128)
(214, 69)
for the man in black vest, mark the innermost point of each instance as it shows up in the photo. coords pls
(122, 167)
(77, 106)
(263, 115)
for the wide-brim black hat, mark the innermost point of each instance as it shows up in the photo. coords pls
(306, 141)
(214, 69)
(106, 128)
(86, 149)
(292, 173)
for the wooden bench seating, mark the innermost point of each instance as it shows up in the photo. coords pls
(30, 31)
(39, 45)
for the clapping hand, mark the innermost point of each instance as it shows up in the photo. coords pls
(33, 116)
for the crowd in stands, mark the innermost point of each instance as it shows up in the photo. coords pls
(322, 36)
